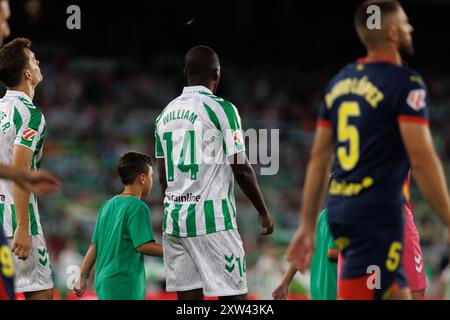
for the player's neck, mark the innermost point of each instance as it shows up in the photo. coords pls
(132, 190)
(26, 88)
(385, 53)
(210, 85)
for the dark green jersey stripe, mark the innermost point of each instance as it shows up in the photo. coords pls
(231, 114)
(2, 213)
(230, 191)
(41, 141)
(190, 221)
(212, 116)
(228, 109)
(175, 217)
(13, 219)
(226, 215)
(35, 119)
(17, 120)
(27, 103)
(166, 214)
(215, 121)
(33, 222)
(33, 163)
(158, 146)
(210, 219)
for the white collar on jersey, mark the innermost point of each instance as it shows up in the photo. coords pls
(15, 93)
(195, 89)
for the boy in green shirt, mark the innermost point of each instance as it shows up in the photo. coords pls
(122, 235)
(323, 281)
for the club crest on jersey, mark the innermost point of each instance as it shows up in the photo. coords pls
(416, 99)
(237, 137)
(29, 134)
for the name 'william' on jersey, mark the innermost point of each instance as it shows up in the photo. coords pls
(195, 134)
(363, 105)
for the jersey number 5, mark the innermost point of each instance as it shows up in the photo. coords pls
(348, 157)
(188, 146)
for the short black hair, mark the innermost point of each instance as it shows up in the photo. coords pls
(367, 36)
(200, 62)
(132, 164)
(13, 61)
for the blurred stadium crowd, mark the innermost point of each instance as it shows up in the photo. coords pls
(98, 109)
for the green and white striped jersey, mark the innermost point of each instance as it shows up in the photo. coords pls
(21, 123)
(195, 134)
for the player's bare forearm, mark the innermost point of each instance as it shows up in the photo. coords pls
(162, 175)
(426, 168)
(431, 180)
(88, 262)
(8, 172)
(21, 198)
(246, 179)
(316, 176)
(21, 161)
(151, 249)
(326, 184)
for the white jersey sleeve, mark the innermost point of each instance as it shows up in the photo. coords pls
(29, 125)
(226, 118)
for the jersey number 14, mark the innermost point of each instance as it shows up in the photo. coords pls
(188, 146)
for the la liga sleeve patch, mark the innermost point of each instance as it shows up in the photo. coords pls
(416, 99)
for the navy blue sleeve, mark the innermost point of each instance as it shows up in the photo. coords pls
(412, 101)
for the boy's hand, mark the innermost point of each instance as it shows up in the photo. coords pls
(80, 291)
(266, 223)
(281, 293)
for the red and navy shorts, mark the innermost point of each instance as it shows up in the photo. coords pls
(372, 259)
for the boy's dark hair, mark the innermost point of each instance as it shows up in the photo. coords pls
(13, 61)
(132, 164)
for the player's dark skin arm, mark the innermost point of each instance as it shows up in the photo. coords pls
(162, 175)
(246, 178)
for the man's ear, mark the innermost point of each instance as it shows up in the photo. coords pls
(185, 74)
(392, 33)
(27, 74)
(215, 74)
